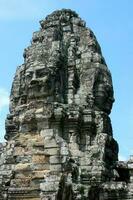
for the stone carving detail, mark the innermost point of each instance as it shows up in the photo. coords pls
(60, 144)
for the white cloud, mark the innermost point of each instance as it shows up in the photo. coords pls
(4, 98)
(4, 103)
(18, 9)
(2, 130)
(122, 158)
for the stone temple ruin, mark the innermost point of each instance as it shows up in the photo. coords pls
(60, 144)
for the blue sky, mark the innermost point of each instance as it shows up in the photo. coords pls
(111, 21)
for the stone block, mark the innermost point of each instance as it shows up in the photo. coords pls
(47, 133)
(40, 159)
(52, 177)
(51, 151)
(18, 151)
(39, 174)
(49, 187)
(50, 143)
(23, 167)
(66, 28)
(56, 167)
(23, 182)
(55, 159)
(41, 166)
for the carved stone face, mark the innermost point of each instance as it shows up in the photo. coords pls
(45, 83)
(37, 81)
(104, 97)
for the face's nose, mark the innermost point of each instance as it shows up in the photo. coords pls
(34, 82)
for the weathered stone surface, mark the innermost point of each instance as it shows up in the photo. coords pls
(59, 136)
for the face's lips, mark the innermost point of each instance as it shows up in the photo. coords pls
(34, 82)
(37, 89)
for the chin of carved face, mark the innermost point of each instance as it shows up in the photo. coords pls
(109, 104)
(104, 97)
(36, 91)
(103, 103)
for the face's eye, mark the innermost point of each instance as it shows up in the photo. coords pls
(29, 76)
(40, 73)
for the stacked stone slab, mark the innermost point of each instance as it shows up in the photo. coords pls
(59, 135)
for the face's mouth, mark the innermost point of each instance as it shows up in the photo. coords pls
(37, 90)
(34, 82)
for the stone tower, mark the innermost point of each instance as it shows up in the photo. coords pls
(59, 135)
